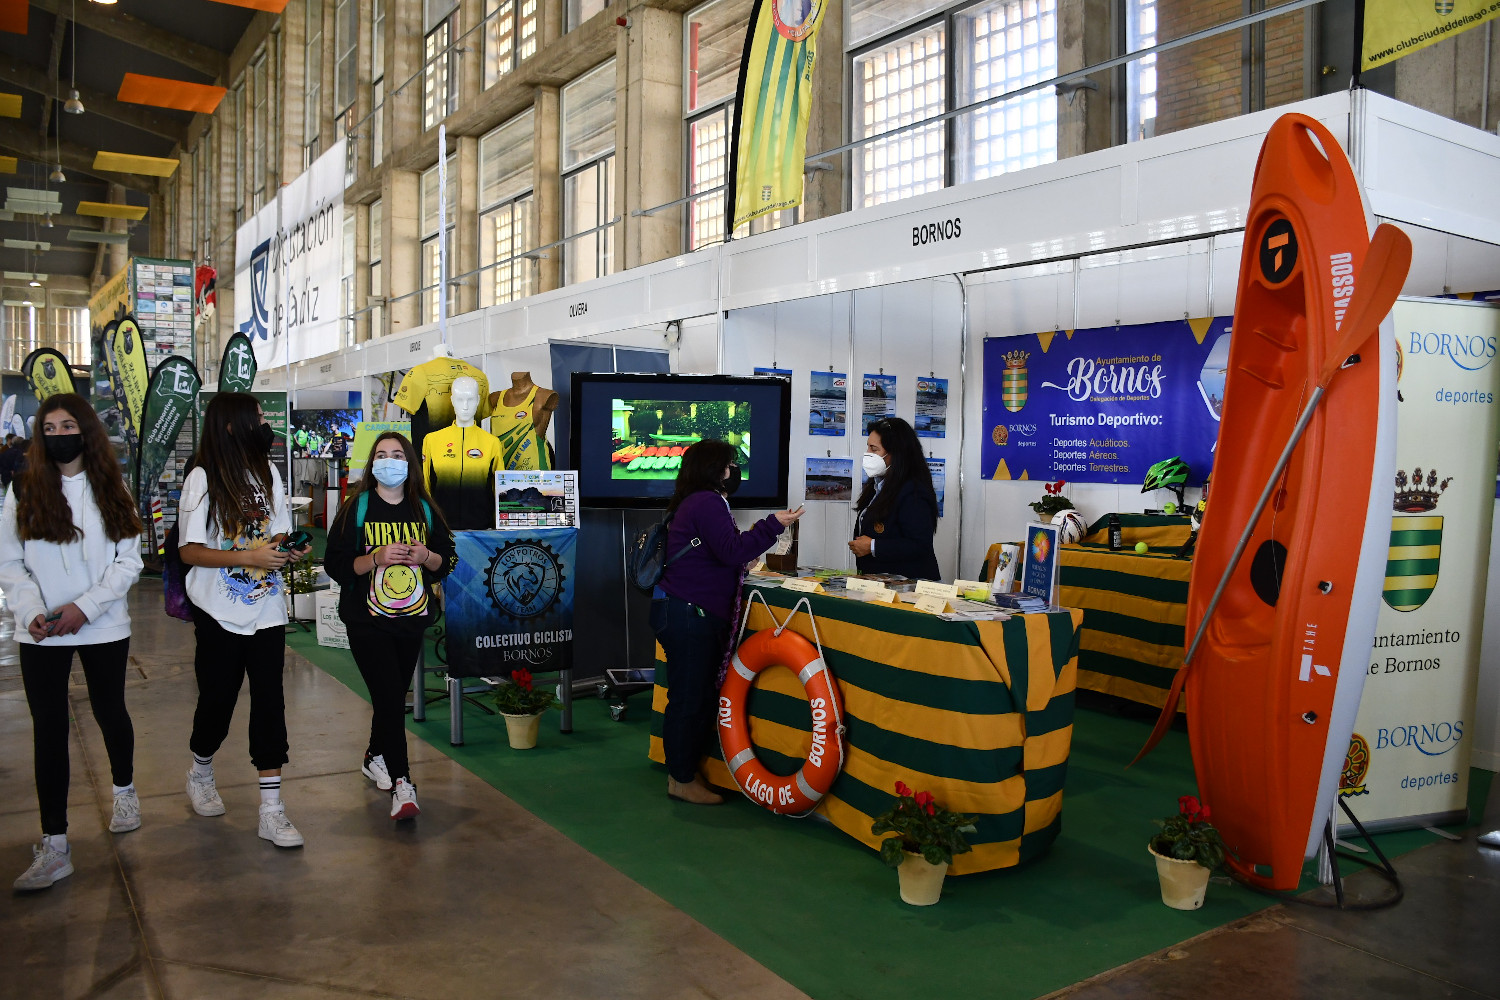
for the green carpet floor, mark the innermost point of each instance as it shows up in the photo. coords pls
(821, 910)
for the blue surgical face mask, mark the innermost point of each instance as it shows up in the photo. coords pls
(389, 471)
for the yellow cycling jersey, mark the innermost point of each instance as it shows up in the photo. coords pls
(431, 382)
(521, 447)
(459, 464)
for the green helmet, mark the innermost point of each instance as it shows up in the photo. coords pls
(1166, 474)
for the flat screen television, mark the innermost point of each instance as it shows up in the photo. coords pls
(629, 433)
(313, 432)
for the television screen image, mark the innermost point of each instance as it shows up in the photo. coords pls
(629, 433)
(650, 435)
(323, 433)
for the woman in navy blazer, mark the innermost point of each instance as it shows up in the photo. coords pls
(897, 508)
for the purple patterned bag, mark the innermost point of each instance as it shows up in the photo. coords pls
(174, 579)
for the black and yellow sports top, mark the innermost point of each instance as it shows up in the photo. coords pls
(459, 464)
(426, 393)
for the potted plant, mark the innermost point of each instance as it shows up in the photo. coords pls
(1052, 501)
(926, 838)
(522, 703)
(1187, 850)
(303, 583)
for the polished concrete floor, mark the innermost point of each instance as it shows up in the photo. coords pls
(481, 899)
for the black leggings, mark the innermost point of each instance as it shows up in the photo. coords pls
(387, 663)
(44, 672)
(222, 662)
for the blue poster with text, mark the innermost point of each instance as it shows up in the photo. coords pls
(509, 602)
(1103, 405)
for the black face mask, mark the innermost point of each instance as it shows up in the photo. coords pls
(732, 481)
(265, 437)
(63, 448)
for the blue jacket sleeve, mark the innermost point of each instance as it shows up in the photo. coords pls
(712, 522)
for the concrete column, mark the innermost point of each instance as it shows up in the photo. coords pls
(402, 246)
(466, 227)
(287, 69)
(118, 253)
(1085, 118)
(361, 270)
(403, 57)
(823, 194)
(550, 17)
(468, 57)
(648, 134)
(546, 198)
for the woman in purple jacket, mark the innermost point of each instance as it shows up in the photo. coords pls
(694, 602)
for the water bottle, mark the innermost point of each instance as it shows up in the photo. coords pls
(1116, 536)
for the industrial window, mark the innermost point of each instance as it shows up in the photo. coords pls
(18, 329)
(260, 131)
(1001, 47)
(510, 36)
(439, 94)
(346, 277)
(506, 203)
(580, 11)
(588, 162)
(345, 53)
(377, 277)
(1141, 73)
(377, 83)
(899, 82)
(432, 219)
(312, 80)
(71, 334)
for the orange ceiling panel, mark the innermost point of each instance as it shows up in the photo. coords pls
(272, 6)
(13, 15)
(159, 92)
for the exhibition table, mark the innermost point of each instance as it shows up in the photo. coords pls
(978, 713)
(1134, 612)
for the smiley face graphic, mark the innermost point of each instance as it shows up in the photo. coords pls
(397, 590)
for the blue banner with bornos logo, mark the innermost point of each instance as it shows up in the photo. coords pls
(509, 603)
(1104, 405)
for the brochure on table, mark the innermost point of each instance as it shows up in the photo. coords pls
(1039, 568)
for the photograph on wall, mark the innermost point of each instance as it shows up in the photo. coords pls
(536, 499)
(830, 479)
(939, 469)
(828, 403)
(1103, 405)
(650, 435)
(932, 408)
(323, 433)
(878, 400)
(779, 372)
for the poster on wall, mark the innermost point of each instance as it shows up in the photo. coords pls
(779, 372)
(365, 434)
(932, 408)
(1409, 756)
(938, 468)
(288, 264)
(509, 601)
(1103, 405)
(878, 400)
(828, 403)
(829, 479)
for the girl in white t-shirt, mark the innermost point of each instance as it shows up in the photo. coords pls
(233, 517)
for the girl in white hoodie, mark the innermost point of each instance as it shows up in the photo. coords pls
(70, 550)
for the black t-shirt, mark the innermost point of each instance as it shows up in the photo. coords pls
(395, 599)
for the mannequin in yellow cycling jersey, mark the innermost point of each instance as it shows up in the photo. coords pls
(459, 462)
(425, 390)
(519, 418)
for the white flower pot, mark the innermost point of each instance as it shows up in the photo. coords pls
(522, 730)
(1183, 883)
(921, 880)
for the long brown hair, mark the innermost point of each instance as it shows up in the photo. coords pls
(702, 469)
(231, 457)
(43, 513)
(414, 488)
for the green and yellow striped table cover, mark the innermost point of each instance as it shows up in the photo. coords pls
(1134, 614)
(978, 713)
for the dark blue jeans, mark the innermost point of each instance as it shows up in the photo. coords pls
(694, 642)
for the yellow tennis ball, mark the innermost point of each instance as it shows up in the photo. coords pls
(1141, 547)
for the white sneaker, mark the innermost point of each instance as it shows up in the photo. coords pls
(48, 865)
(203, 794)
(404, 800)
(275, 827)
(1491, 839)
(127, 815)
(374, 769)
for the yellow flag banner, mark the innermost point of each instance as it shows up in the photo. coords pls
(130, 361)
(772, 107)
(47, 373)
(1395, 28)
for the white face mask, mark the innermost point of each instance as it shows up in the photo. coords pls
(873, 465)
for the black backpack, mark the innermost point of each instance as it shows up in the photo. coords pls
(647, 559)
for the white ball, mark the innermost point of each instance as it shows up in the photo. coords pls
(1070, 526)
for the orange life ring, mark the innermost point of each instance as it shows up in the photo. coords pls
(792, 794)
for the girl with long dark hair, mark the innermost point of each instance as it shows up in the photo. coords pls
(898, 511)
(386, 548)
(232, 521)
(694, 603)
(70, 550)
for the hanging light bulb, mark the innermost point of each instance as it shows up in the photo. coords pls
(35, 283)
(48, 222)
(73, 105)
(57, 176)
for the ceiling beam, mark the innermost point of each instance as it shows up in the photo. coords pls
(27, 145)
(54, 66)
(133, 31)
(135, 115)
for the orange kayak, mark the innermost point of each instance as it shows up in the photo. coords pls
(1277, 677)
